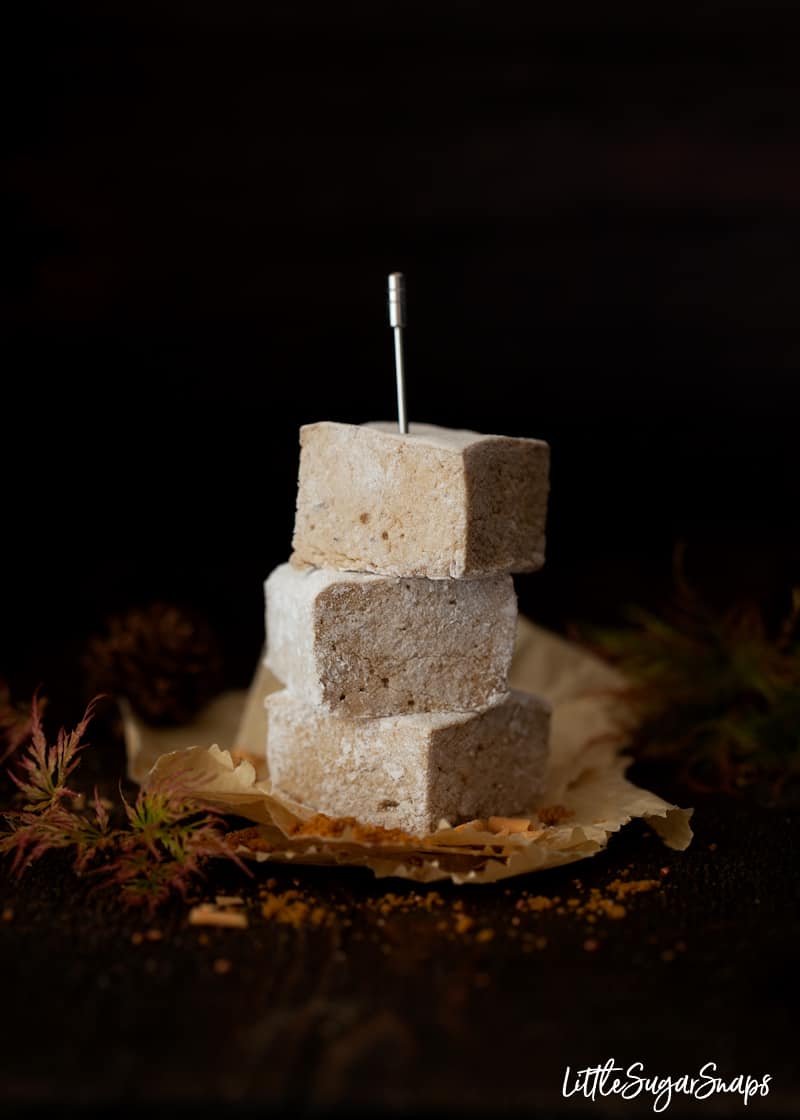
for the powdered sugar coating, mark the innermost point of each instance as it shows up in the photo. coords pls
(434, 502)
(411, 771)
(367, 645)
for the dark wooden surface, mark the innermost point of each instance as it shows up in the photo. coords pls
(598, 216)
(376, 1012)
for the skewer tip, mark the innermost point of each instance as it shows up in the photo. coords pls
(397, 299)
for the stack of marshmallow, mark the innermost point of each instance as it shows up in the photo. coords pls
(392, 627)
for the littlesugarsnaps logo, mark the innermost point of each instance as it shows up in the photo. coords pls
(632, 1083)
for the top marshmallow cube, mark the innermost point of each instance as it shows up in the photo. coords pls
(435, 502)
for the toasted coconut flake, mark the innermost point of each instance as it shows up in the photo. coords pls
(206, 914)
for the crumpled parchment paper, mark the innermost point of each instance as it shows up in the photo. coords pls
(587, 797)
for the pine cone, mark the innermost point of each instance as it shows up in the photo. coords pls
(164, 659)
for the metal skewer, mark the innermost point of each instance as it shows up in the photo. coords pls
(397, 320)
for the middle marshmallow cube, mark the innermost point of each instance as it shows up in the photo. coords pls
(366, 645)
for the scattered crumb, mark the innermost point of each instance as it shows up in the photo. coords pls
(206, 914)
(554, 814)
(668, 955)
(681, 946)
(8, 914)
(390, 903)
(222, 966)
(534, 903)
(302, 908)
(291, 909)
(336, 827)
(712, 847)
(137, 938)
(636, 886)
(154, 935)
(599, 903)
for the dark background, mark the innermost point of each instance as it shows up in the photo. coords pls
(598, 214)
(599, 220)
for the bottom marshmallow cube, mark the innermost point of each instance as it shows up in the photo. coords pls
(410, 771)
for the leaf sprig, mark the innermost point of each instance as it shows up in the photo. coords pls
(47, 768)
(160, 851)
(713, 694)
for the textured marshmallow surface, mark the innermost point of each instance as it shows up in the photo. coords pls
(368, 645)
(410, 772)
(435, 502)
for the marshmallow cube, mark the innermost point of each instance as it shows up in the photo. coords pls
(410, 772)
(435, 502)
(366, 645)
